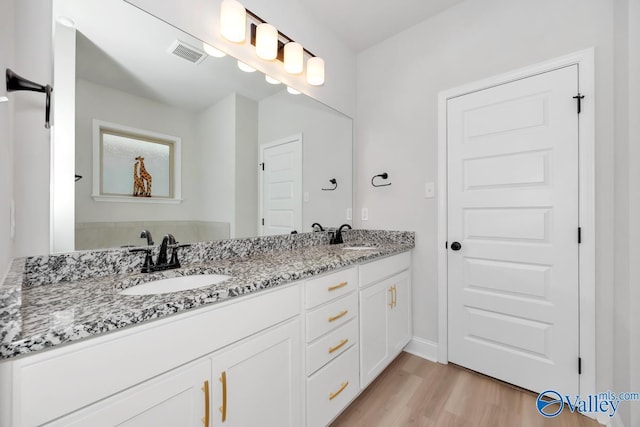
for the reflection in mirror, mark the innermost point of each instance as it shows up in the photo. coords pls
(249, 149)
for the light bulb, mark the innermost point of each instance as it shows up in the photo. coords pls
(271, 80)
(293, 58)
(246, 68)
(233, 21)
(315, 71)
(212, 51)
(266, 41)
(292, 91)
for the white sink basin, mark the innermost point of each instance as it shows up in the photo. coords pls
(358, 248)
(175, 284)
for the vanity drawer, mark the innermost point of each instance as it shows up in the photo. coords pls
(330, 316)
(330, 286)
(331, 346)
(331, 389)
(386, 267)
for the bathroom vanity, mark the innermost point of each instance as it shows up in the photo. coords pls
(290, 340)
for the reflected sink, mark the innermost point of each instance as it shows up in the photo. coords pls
(358, 248)
(175, 284)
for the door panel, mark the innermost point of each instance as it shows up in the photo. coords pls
(513, 206)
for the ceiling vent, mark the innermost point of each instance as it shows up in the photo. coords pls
(185, 51)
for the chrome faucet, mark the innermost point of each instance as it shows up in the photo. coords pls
(337, 238)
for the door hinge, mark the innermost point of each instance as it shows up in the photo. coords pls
(579, 97)
(579, 365)
(446, 245)
(262, 221)
(579, 235)
(261, 165)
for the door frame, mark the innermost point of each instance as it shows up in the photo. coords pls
(293, 138)
(585, 60)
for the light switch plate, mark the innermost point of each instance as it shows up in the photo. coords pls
(349, 214)
(365, 214)
(429, 190)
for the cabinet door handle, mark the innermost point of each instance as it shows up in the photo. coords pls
(391, 296)
(337, 316)
(339, 346)
(335, 394)
(205, 388)
(395, 296)
(338, 286)
(223, 408)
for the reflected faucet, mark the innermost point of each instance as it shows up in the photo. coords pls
(337, 238)
(146, 234)
(167, 241)
(316, 225)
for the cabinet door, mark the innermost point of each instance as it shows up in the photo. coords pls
(374, 344)
(399, 313)
(258, 382)
(177, 398)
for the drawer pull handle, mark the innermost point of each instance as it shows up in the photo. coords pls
(338, 286)
(205, 389)
(342, 387)
(337, 316)
(223, 408)
(395, 296)
(339, 346)
(391, 296)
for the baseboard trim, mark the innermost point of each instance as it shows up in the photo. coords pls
(424, 348)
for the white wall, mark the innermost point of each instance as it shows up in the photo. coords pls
(326, 153)
(33, 60)
(396, 126)
(6, 137)
(215, 128)
(94, 101)
(246, 173)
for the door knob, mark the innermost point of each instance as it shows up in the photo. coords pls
(456, 246)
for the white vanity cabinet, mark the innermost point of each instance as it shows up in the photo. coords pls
(385, 313)
(136, 376)
(331, 303)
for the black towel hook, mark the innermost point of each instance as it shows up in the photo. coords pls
(335, 185)
(383, 176)
(16, 82)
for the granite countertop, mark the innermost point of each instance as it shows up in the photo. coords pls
(39, 317)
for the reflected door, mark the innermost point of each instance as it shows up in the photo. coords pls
(513, 231)
(281, 189)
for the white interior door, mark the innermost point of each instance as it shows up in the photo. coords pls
(281, 189)
(513, 208)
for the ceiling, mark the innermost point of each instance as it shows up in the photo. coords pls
(361, 24)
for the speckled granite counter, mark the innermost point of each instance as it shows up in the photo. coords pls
(48, 301)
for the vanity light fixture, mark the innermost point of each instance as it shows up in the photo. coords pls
(233, 21)
(292, 91)
(271, 80)
(269, 42)
(212, 51)
(246, 68)
(266, 41)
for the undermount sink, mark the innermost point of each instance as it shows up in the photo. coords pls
(175, 284)
(358, 248)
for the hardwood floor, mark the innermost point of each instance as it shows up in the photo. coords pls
(416, 392)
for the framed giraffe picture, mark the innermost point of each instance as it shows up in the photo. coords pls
(135, 165)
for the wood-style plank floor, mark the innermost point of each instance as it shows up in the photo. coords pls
(415, 392)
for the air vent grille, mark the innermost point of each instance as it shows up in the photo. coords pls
(185, 51)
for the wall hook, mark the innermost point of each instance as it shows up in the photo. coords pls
(78, 177)
(335, 185)
(383, 176)
(16, 82)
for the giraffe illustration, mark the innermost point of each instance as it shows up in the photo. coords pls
(145, 177)
(138, 185)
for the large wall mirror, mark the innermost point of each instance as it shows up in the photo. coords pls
(254, 159)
